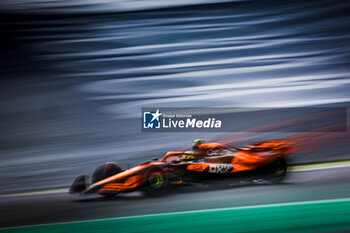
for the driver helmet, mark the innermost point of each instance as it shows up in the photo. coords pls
(197, 142)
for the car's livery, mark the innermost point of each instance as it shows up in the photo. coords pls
(206, 162)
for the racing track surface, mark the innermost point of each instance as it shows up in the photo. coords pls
(311, 185)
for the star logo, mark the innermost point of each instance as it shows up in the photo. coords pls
(156, 115)
(152, 120)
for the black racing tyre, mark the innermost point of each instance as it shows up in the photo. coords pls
(156, 182)
(276, 171)
(105, 171)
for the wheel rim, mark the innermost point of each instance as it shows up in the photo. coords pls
(279, 170)
(156, 180)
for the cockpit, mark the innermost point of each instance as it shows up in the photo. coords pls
(201, 151)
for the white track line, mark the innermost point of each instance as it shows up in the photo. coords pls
(194, 211)
(320, 168)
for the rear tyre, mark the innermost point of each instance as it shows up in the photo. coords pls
(276, 171)
(156, 183)
(105, 171)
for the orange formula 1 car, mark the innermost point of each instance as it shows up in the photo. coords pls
(206, 163)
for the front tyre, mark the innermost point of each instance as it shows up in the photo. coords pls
(105, 171)
(276, 171)
(156, 183)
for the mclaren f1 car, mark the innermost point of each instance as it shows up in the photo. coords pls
(207, 162)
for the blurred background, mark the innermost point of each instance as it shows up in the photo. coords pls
(75, 75)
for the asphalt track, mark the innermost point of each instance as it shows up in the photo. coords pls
(312, 200)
